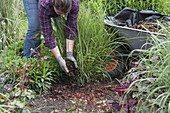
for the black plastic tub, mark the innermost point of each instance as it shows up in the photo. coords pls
(135, 38)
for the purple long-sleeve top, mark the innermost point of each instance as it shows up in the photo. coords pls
(46, 11)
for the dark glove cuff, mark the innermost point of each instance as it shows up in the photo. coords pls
(69, 54)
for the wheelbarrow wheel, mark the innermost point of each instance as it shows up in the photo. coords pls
(118, 69)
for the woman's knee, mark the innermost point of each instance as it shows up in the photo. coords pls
(33, 33)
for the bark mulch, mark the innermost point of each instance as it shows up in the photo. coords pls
(64, 98)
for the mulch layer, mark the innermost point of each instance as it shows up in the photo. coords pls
(63, 98)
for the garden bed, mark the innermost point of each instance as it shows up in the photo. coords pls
(71, 98)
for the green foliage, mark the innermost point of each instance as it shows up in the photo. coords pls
(93, 49)
(153, 85)
(114, 6)
(13, 94)
(14, 99)
(94, 44)
(10, 11)
(37, 73)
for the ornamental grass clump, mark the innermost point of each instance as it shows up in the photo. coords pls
(152, 76)
(10, 11)
(93, 46)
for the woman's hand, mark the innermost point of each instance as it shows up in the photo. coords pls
(62, 64)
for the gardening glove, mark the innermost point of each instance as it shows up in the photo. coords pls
(71, 57)
(62, 64)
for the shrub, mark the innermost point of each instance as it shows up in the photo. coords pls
(37, 73)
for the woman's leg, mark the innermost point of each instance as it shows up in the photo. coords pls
(32, 40)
